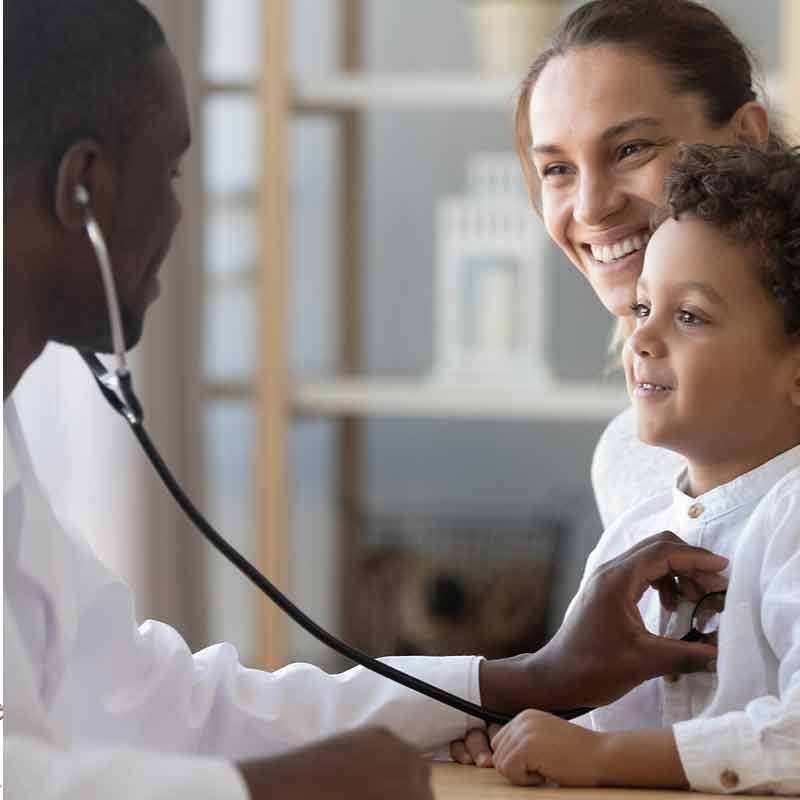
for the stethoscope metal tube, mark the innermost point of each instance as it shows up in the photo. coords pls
(98, 242)
(117, 388)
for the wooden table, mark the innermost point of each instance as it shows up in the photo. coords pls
(457, 782)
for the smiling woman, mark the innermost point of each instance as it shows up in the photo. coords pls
(596, 145)
(596, 176)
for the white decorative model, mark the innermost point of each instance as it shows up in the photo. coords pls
(492, 288)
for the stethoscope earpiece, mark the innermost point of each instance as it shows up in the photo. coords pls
(82, 195)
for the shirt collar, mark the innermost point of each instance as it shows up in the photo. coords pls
(746, 489)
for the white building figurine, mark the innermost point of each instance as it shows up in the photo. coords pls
(491, 283)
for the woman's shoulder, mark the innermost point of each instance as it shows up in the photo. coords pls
(626, 471)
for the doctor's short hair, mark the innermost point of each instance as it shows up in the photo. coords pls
(753, 197)
(74, 69)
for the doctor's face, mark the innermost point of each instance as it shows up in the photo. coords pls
(146, 209)
(605, 124)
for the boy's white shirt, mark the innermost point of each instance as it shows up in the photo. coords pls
(97, 707)
(737, 730)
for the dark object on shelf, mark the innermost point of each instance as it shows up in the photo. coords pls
(444, 586)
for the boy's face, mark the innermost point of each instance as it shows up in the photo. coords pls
(709, 369)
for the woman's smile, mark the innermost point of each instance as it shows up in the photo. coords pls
(610, 254)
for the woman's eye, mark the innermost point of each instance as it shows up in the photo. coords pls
(554, 171)
(640, 310)
(687, 318)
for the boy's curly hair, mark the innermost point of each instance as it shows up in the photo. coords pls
(753, 196)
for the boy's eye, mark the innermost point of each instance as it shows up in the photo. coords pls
(687, 318)
(632, 148)
(640, 310)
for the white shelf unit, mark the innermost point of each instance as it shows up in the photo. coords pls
(412, 92)
(415, 398)
(369, 397)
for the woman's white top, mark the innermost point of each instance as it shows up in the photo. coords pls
(98, 707)
(626, 471)
(737, 730)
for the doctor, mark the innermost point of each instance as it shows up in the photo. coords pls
(97, 707)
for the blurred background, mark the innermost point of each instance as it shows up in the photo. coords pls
(293, 370)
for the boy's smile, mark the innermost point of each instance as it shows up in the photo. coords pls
(710, 371)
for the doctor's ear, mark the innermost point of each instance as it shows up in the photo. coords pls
(794, 380)
(83, 179)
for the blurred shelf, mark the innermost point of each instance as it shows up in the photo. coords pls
(432, 91)
(368, 397)
(577, 401)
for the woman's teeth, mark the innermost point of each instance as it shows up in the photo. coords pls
(654, 387)
(608, 253)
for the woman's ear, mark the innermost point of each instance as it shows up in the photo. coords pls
(81, 165)
(751, 125)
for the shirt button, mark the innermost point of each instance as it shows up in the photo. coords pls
(695, 510)
(673, 677)
(729, 779)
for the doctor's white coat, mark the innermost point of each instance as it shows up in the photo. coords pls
(97, 707)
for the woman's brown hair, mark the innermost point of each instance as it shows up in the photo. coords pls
(702, 55)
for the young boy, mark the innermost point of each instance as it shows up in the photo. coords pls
(713, 370)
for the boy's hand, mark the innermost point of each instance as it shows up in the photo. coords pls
(536, 747)
(474, 747)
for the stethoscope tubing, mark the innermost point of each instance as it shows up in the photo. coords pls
(117, 387)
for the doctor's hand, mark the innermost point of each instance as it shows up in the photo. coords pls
(602, 649)
(369, 763)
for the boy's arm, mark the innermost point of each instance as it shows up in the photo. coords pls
(647, 758)
(537, 747)
(755, 746)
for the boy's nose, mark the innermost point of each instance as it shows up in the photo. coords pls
(646, 344)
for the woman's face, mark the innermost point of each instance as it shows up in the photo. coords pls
(605, 127)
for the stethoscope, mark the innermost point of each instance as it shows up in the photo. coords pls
(117, 387)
